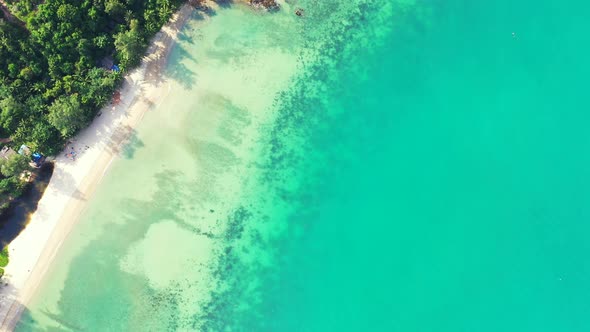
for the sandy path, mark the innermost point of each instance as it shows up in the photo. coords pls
(73, 182)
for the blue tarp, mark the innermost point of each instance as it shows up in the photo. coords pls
(37, 156)
(116, 68)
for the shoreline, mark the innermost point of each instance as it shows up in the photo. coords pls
(74, 182)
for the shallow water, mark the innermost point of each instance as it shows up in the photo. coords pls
(376, 165)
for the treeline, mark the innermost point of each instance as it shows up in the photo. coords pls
(53, 72)
(51, 80)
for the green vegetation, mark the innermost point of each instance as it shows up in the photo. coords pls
(3, 260)
(11, 184)
(14, 166)
(55, 67)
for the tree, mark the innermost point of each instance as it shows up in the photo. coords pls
(14, 166)
(130, 45)
(114, 8)
(11, 111)
(101, 41)
(67, 115)
(45, 138)
(11, 186)
(98, 87)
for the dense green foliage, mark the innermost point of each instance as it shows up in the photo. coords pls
(55, 64)
(3, 260)
(14, 166)
(52, 80)
(4, 257)
(11, 184)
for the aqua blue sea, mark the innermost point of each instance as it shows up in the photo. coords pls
(448, 187)
(427, 168)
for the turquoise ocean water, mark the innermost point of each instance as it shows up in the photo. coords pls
(373, 166)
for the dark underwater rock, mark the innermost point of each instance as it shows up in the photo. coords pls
(271, 5)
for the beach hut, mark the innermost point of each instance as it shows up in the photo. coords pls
(6, 152)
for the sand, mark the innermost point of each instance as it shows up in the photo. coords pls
(74, 181)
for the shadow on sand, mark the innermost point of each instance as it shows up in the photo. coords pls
(15, 219)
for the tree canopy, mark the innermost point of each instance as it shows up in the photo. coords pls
(14, 166)
(66, 115)
(53, 72)
(129, 45)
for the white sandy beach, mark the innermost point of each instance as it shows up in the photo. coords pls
(73, 182)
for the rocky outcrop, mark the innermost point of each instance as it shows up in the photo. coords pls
(268, 4)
